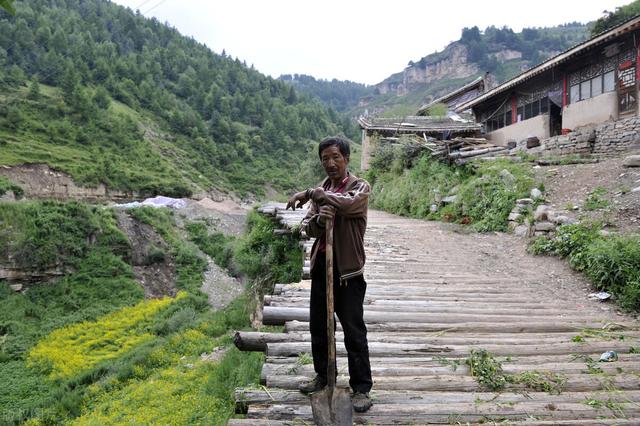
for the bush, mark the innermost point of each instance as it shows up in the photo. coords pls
(6, 185)
(260, 254)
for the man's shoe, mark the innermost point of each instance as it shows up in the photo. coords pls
(361, 402)
(315, 385)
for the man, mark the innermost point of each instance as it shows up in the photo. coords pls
(344, 198)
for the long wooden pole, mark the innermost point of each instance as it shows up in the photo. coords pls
(331, 360)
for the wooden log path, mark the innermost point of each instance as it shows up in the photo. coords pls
(428, 305)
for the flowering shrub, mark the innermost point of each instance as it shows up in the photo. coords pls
(69, 350)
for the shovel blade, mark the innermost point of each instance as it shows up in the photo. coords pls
(332, 407)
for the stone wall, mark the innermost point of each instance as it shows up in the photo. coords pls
(609, 138)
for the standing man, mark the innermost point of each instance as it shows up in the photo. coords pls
(344, 198)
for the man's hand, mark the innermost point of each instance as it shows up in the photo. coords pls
(298, 197)
(326, 213)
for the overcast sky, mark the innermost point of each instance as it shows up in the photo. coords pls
(362, 41)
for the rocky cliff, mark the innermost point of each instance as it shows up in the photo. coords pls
(453, 65)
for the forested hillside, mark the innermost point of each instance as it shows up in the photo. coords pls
(340, 95)
(107, 95)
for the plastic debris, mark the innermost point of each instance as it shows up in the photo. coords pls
(609, 356)
(159, 201)
(603, 295)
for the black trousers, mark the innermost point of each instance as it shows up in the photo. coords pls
(348, 300)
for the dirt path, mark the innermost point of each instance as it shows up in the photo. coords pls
(435, 293)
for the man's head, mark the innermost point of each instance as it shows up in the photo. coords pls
(334, 154)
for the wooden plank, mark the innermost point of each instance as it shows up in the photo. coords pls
(446, 413)
(391, 349)
(280, 396)
(408, 370)
(278, 315)
(470, 327)
(257, 341)
(460, 383)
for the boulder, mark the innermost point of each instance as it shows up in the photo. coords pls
(521, 231)
(450, 199)
(514, 215)
(524, 201)
(8, 196)
(433, 208)
(532, 142)
(545, 226)
(636, 189)
(632, 161)
(564, 220)
(507, 177)
(536, 194)
(542, 213)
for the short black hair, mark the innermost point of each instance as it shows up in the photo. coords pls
(339, 141)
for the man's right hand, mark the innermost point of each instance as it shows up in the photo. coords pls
(326, 213)
(298, 197)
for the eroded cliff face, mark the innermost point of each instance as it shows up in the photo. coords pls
(455, 65)
(40, 181)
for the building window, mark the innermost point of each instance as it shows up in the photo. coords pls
(507, 118)
(574, 93)
(609, 81)
(585, 90)
(544, 105)
(520, 114)
(596, 86)
(535, 108)
(592, 87)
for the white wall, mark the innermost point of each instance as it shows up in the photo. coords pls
(536, 126)
(591, 111)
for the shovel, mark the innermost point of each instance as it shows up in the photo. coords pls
(331, 405)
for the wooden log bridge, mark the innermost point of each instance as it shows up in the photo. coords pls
(436, 295)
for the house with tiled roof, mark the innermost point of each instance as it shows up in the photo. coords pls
(592, 83)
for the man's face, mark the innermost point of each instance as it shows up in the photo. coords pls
(333, 162)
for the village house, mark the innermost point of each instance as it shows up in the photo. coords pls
(591, 85)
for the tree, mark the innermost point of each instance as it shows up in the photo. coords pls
(8, 6)
(34, 90)
(101, 98)
(470, 35)
(612, 19)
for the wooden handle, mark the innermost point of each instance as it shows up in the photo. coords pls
(331, 359)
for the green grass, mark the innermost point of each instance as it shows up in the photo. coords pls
(487, 371)
(612, 263)
(595, 201)
(485, 197)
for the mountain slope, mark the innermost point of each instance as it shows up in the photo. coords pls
(138, 106)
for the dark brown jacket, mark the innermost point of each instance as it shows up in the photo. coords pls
(349, 225)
